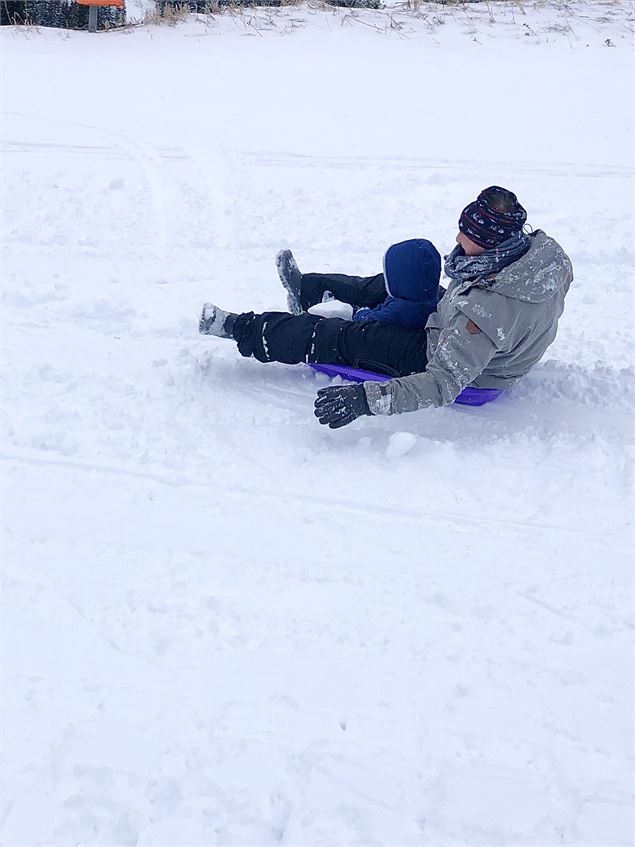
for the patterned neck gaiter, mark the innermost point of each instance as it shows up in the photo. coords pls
(459, 266)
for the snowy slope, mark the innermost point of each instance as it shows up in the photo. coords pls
(222, 624)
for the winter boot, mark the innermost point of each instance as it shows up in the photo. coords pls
(291, 278)
(215, 321)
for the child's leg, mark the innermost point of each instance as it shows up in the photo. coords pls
(356, 290)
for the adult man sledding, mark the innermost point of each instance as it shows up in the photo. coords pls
(494, 322)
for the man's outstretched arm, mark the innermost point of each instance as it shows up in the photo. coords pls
(463, 352)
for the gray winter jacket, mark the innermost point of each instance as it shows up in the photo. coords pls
(486, 333)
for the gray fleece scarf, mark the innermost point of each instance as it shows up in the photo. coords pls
(459, 266)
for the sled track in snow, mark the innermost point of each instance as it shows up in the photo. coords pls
(214, 169)
(398, 163)
(379, 513)
(127, 145)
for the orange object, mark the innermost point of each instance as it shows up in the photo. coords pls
(118, 3)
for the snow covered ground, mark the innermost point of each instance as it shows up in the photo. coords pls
(223, 624)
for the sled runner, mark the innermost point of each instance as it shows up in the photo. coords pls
(467, 397)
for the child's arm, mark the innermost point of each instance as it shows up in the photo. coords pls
(397, 312)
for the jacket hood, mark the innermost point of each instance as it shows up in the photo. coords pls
(539, 274)
(412, 270)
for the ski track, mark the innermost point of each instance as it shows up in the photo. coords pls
(370, 511)
(225, 625)
(361, 162)
(263, 158)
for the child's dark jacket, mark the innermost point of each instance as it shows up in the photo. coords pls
(412, 270)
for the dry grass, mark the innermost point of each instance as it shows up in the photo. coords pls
(401, 17)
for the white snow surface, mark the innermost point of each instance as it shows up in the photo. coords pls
(222, 623)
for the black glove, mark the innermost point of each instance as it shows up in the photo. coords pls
(338, 405)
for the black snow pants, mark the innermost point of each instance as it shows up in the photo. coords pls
(371, 345)
(359, 291)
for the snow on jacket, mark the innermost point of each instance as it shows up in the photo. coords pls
(411, 273)
(486, 333)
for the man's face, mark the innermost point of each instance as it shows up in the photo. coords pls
(469, 247)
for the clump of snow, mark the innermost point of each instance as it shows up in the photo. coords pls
(399, 444)
(332, 309)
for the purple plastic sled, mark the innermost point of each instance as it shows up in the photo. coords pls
(467, 397)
